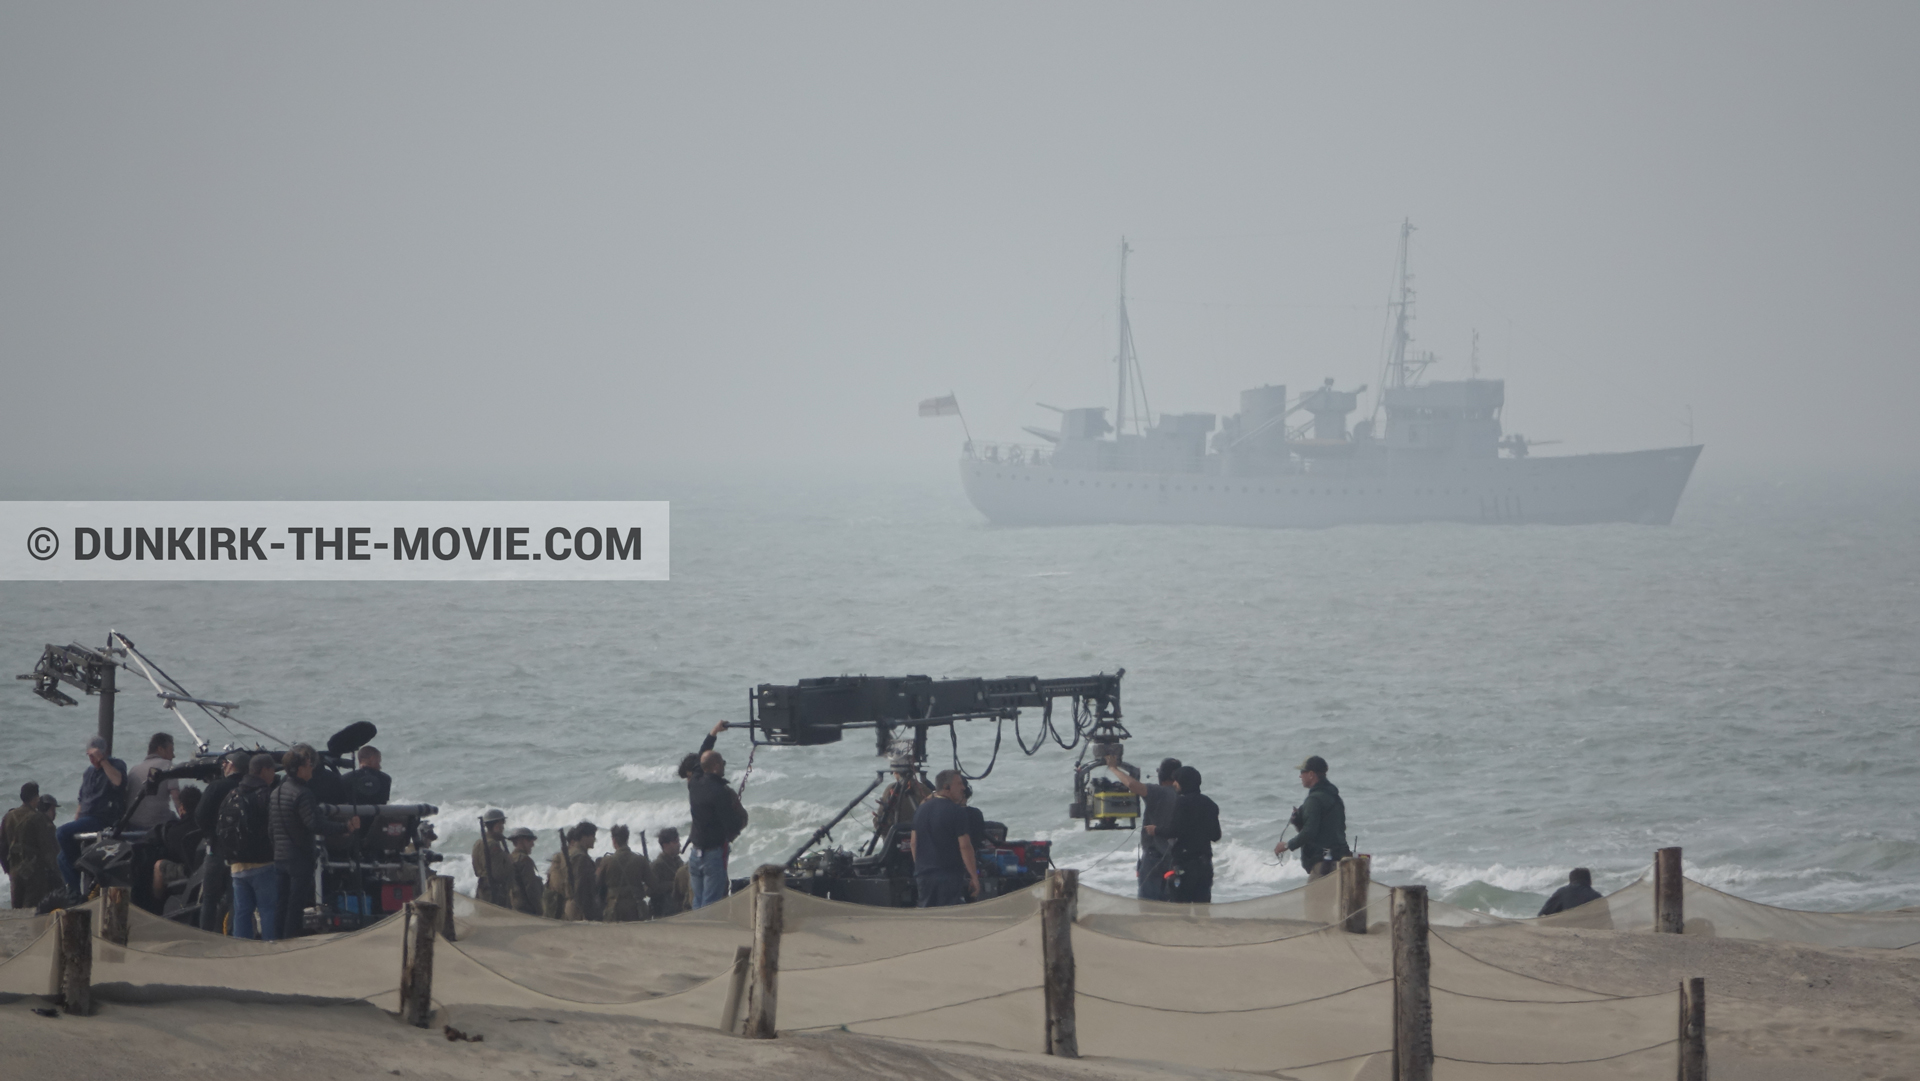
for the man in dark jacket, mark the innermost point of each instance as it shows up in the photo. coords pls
(103, 798)
(1578, 891)
(1195, 826)
(368, 784)
(249, 854)
(296, 819)
(1322, 821)
(1156, 809)
(216, 886)
(718, 818)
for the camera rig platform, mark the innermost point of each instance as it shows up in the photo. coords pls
(901, 711)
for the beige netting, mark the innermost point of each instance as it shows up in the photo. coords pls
(1722, 915)
(1266, 985)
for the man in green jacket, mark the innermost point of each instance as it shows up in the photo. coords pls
(1321, 820)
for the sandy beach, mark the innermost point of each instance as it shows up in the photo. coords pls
(1774, 1012)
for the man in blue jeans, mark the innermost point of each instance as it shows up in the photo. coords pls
(718, 818)
(103, 799)
(249, 847)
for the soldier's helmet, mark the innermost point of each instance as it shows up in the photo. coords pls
(495, 815)
(519, 832)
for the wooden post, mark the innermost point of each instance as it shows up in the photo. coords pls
(1056, 952)
(416, 962)
(440, 894)
(1693, 1030)
(1412, 997)
(1356, 876)
(1669, 893)
(736, 989)
(73, 960)
(113, 915)
(769, 885)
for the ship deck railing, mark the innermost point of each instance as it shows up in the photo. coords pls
(1028, 454)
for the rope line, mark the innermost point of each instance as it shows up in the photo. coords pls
(1331, 1061)
(1553, 1002)
(908, 953)
(1560, 1062)
(1530, 976)
(1256, 942)
(587, 1001)
(915, 1013)
(1246, 1009)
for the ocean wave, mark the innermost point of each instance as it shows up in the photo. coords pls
(670, 774)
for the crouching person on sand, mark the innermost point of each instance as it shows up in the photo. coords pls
(1578, 891)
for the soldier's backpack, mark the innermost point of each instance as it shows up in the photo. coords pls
(244, 833)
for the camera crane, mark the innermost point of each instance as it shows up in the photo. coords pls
(901, 711)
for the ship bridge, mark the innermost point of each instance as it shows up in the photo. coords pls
(1459, 418)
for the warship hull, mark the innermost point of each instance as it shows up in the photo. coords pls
(1641, 487)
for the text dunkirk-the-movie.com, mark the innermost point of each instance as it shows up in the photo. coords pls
(333, 541)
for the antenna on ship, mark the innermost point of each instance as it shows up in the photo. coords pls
(1128, 361)
(1401, 369)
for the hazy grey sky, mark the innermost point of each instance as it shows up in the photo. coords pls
(451, 241)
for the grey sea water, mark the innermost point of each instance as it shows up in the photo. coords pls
(1498, 704)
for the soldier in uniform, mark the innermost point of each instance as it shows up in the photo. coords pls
(490, 859)
(523, 882)
(623, 881)
(28, 852)
(667, 885)
(581, 879)
(553, 900)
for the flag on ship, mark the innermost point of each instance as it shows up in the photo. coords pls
(945, 406)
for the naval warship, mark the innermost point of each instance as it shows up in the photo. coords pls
(1296, 461)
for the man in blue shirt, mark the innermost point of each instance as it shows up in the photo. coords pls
(103, 798)
(943, 866)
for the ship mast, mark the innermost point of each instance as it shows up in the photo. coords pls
(1400, 368)
(1402, 307)
(1128, 361)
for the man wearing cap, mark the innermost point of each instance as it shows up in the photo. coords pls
(523, 881)
(623, 875)
(1321, 820)
(103, 798)
(490, 859)
(216, 883)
